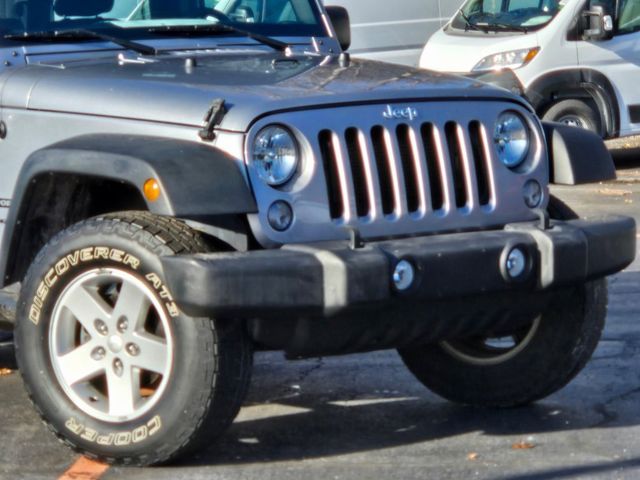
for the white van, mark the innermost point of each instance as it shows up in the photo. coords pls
(578, 60)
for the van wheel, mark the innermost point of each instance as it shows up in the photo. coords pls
(526, 365)
(112, 365)
(576, 113)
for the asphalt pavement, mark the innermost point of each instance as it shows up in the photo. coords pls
(365, 417)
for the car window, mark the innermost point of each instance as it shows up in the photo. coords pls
(629, 16)
(506, 14)
(498, 6)
(269, 17)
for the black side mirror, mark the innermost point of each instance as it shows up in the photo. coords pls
(600, 23)
(339, 18)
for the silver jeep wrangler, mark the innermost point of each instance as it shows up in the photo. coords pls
(186, 181)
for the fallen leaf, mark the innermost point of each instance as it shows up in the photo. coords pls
(614, 192)
(472, 456)
(523, 446)
(84, 469)
(5, 371)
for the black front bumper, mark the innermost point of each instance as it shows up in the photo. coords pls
(330, 279)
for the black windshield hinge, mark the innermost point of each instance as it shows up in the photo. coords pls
(214, 116)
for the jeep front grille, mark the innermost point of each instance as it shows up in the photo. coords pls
(406, 169)
(396, 177)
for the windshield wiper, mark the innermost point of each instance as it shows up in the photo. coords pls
(497, 26)
(219, 28)
(83, 34)
(508, 26)
(469, 25)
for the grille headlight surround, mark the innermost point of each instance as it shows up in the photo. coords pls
(512, 139)
(275, 155)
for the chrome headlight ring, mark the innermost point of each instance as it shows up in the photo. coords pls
(275, 155)
(512, 139)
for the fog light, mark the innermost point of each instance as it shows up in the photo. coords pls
(516, 263)
(532, 193)
(280, 216)
(403, 275)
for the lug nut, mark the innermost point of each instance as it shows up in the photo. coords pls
(118, 367)
(123, 324)
(98, 353)
(133, 349)
(101, 327)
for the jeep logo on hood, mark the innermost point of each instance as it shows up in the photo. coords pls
(408, 113)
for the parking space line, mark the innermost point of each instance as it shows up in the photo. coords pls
(85, 469)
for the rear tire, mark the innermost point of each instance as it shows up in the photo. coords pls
(115, 370)
(525, 366)
(576, 113)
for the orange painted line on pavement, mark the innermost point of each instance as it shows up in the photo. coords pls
(84, 469)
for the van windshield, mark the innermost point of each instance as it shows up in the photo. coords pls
(506, 15)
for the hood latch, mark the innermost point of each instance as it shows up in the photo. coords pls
(213, 117)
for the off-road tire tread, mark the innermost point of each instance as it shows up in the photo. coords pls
(474, 385)
(165, 236)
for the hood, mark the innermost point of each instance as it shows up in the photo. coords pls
(170, 89)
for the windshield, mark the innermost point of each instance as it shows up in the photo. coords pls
(509, 15)
(135, 18)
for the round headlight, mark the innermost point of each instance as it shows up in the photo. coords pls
(512, 139)
(275, 155)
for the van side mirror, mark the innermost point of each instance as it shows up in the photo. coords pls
(339, 18)
(600, 23)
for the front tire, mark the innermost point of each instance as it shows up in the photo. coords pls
(576, 113)
(528, 365)
(109, 361)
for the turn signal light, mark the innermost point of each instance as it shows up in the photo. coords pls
(151, 190)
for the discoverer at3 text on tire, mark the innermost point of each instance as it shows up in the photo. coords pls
(109, 361)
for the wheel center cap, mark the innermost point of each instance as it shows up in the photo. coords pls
(115, 343)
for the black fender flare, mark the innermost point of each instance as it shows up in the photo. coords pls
(565, 83)
(197, 181)
(577, 156)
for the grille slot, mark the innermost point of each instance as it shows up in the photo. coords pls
(331, 173)
(358, 171)
(381, 155)
(481, 161)
(436, 176)
(409, 160)
(458, 172)
(406, 170)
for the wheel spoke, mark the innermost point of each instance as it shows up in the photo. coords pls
(77, 365)
(124, 390)
(110, 344)
(132, 304)
(86, 308)
(153, 355)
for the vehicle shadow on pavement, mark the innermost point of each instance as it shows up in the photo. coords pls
(368, 403)
(626, 158)
(328, 430)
